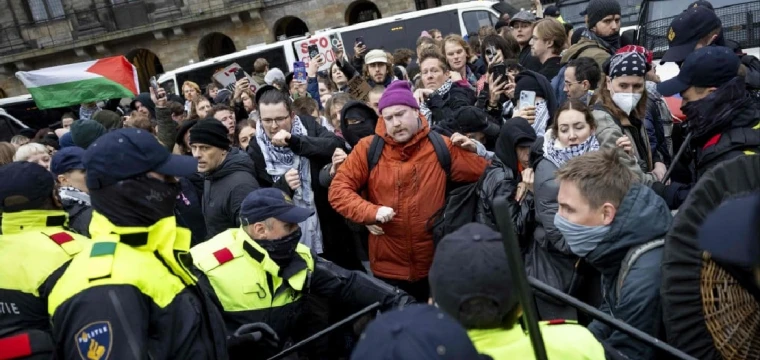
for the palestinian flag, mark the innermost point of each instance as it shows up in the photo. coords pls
(73, 84)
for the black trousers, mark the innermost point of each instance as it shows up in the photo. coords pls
(419, 289)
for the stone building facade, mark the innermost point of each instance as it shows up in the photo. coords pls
(160, 35)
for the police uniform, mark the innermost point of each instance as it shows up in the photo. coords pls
(563, 339)
(34, 245)
(249, 286)
(128, 295)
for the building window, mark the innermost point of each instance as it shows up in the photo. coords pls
(426, 4)
(43, 10)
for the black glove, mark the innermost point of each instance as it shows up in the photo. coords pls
(659, 189)
(256, 338)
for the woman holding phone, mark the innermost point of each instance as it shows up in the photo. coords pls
(496, 86)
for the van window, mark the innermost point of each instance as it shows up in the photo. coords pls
(403, 33)
(202, 76)
(28, 113)
(474, 20)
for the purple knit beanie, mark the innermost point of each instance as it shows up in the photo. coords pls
(398, 92)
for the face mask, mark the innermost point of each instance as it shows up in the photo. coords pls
(141, 201)
(626, 101)
(281, 250)
(581, 239)
(356, 132)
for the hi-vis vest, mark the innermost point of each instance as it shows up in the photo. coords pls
(243, 276)
(33, 245)
(128, 256)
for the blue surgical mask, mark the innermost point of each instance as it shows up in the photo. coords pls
(581, 239)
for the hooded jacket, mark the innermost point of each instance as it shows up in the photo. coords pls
(587, 48)
(224, 189)
(641, 217)
(501, 179)
(409, 179)
(544, 90)
(357, 110)
(144, 98)
(609, 129)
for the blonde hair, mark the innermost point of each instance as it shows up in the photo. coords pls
(7, 150)
(456, 39)
(551, 29)
(192, 85)
(26, 151)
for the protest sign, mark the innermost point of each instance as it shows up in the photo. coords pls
(326, 45)
(226, 78)
(358, 88)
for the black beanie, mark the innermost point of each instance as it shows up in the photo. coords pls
(210, 132)
(599, 9)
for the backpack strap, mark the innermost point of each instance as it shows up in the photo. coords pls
(374, 151)
(441, 151)
(630, 258)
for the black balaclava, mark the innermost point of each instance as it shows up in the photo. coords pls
(515, 131)
(357, 110)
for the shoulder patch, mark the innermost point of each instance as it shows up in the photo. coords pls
(102, 249)
(223, 255)
(94, 340)
(66, 242)
(559, 322)
(211, 260)
(61, 238)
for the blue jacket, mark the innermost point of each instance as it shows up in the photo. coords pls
(641, 217)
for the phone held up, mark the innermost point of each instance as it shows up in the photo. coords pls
(313, 51)
(154, 85)
(239, 74)
(527, 98)
(499, 71)
(360, 41)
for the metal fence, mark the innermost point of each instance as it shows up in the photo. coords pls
(741, 23)
(106, 21)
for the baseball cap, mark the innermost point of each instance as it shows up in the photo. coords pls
(471, 263)
(418, 332)
(701, 3)
(710, 66)
(262, 204)
(523, 16)
(730, 233)
(686, 30)
(125, 153)
(552, 11)
(27, 180)
(67, 159)
(376, 56)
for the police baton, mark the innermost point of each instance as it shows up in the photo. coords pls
(680, 152)
(609, 320)
(333, 327)
(519, 277)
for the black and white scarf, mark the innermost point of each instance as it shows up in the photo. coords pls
(443, 90)
(558, 155)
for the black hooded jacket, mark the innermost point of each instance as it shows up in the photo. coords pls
(502, 177)
(224, 189)
(357, 110)
(144, 98)
(543, 88)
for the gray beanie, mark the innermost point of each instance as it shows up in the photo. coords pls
(599, 9)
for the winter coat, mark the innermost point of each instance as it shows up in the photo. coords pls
(409, 179)
(224, 189)
(528, 61)
(641, 217)
(550, 68)
(79, 216)
(189, 209)
(318, 146)
(608, 130)
(499, 181)
(443, 107)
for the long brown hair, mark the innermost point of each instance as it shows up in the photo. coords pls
(604, 97)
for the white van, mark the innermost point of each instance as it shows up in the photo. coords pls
(279, 55)
(19, 112)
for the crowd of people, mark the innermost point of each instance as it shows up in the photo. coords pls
(227, 223)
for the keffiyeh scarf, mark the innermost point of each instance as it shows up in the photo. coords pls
(281, 159)
(542, 118)
(558, 155)
(443, 90)
(75, 195)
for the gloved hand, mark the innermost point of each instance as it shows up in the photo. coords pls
(384, 214)
(256, 338)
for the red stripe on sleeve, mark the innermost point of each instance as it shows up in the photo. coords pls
(15, 347)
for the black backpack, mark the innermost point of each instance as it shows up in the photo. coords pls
(462, 200)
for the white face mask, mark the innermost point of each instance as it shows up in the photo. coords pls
(626, 101)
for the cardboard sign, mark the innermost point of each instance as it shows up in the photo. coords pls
(358, 88)
(226, 78)
(326, 45)
(299, 72)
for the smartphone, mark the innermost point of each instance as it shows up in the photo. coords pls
(527, 98)
(239, 74)
(313, 51)
(490, 53)
(499, 70)
(360, 40)
(154, 85)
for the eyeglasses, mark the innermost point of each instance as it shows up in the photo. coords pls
(571, 83)
(278, 120)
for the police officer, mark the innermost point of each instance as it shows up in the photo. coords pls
(128, 295)
(470, 280)
(33, 245)
(261, 273)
